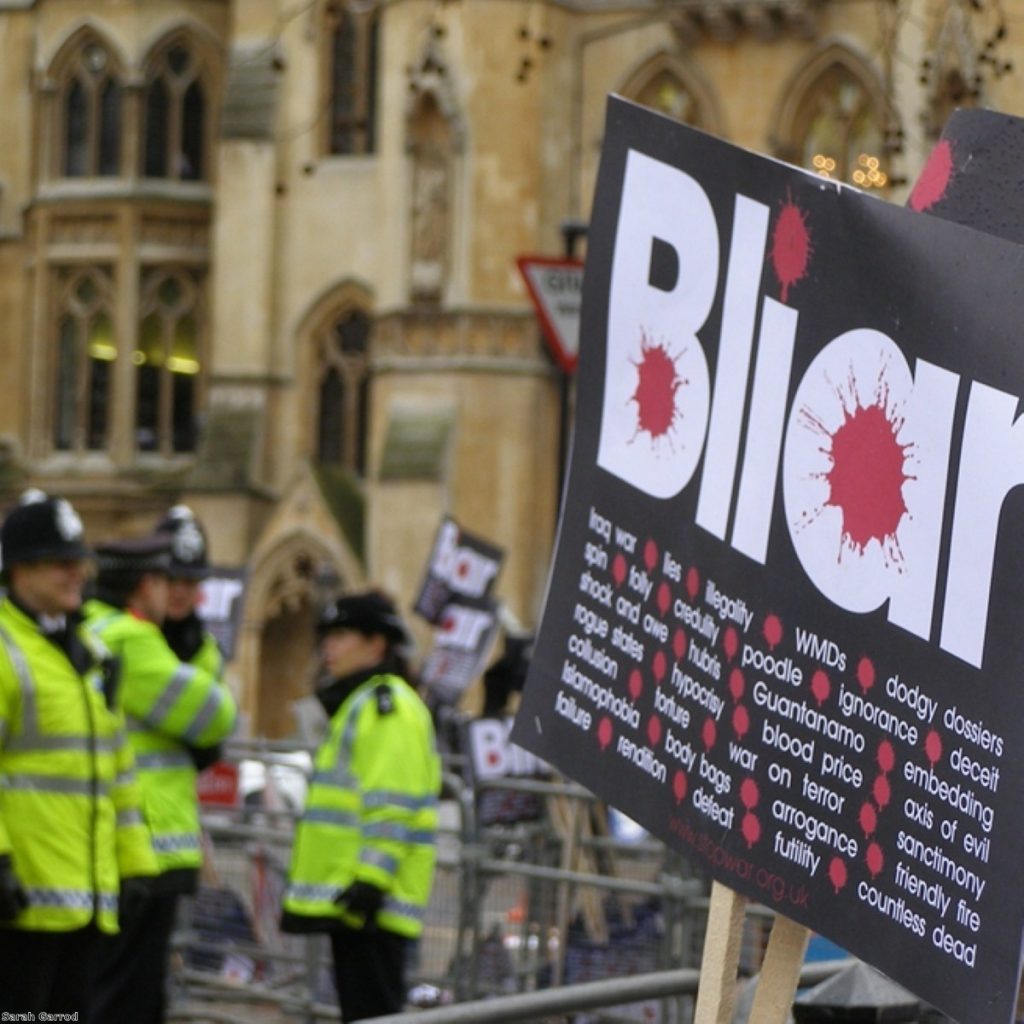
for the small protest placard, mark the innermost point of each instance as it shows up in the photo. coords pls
(462, 642)
(782, 629)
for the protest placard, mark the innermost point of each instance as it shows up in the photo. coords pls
(781, 630)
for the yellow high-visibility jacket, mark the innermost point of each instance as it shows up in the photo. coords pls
(70, 806)
(371, 812)
(170, 706)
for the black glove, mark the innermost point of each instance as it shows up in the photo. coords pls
(203, 757)
(132, 901)
(12, 897)
(361, 898)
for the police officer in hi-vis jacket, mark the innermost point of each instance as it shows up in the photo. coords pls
(74, 852)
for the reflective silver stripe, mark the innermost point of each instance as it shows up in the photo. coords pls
(29, 713)
(205, 715)
(129, 817)
(29, 744)
(378, 859)
(69, 899)
(397, 832)
(125, 778)
(324, 816)
(348, 734)
(175, 843)
(172, 691)
(312, 893)
(383, 798)
(53, 784)
(165, 759)
(340, 778)
(403, 909)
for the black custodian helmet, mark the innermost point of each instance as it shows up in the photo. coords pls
(189, 549)
(41, 528)
(370, 613)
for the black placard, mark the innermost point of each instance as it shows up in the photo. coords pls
(782, 629)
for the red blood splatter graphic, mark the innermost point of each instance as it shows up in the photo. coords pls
(865, 674)
(692, 582)
(736, 684)
(749, 794)
(868, 819)
(657, 383)
(664, 598)
(636, 684)
(740, 721)
(730, 642)
(837, 873)
(886, 756)
(791, 247)
(604, 732)
(654, 730)
(659, 665)
(619, 569)
(679, 786)
(874, 859)
(493, 757)
(751, 828)
(820, 686)
(935, 178)
(772, 630)
(933, 746)
(679, 644)
(709, 733)
(867, 475)
(881, 791)
(650, 555)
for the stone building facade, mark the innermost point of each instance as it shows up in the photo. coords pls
(260, 255)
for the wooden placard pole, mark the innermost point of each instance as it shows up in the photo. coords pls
(780, 970)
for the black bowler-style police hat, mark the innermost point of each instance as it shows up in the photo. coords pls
(189, 550)
(40, 528)
(137, 555)
(370, 613)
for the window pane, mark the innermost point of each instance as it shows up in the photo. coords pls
(331, 419)
(184, 357)
(76, 145)
(64, 426)
(353, 334)
(99, 403)
(360, 440)
(155, 148)
(147, 408)
(183, 412)
(192, 134)
(343, 86)
(110, 129)
(370, 89)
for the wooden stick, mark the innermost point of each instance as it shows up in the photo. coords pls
(716, 996)
(780, 972)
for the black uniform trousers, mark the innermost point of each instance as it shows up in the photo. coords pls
(132, 970)
(49, 971)
(369, 972)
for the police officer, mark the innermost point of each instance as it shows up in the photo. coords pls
(71, 832)
(363, 859)
(176, 713)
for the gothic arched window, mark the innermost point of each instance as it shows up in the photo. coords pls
(175, 112)
(90, 114)
(343, 391)
(353, 81)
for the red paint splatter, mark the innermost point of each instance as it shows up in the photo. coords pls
(740, 721)
(730, 642)
(791, 246)
(865, 674)
(886, 756)
(659, 665)
(749, 794)
(654, 730)
(882, 792)
(772, 631)
(868, 819)
(736, 684)
(874, 859)
(650, 555)
(636, 684)
(692, 582)
(709, 733)
(679, 786)
(820, 686)
(867, 476)
(658, 381)
(933, 746)
(934, 178)
(492, 757)
(679, 644)
(837, 873)
(604, 732)
(751, 828)
(664, 598)
(619, 569)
